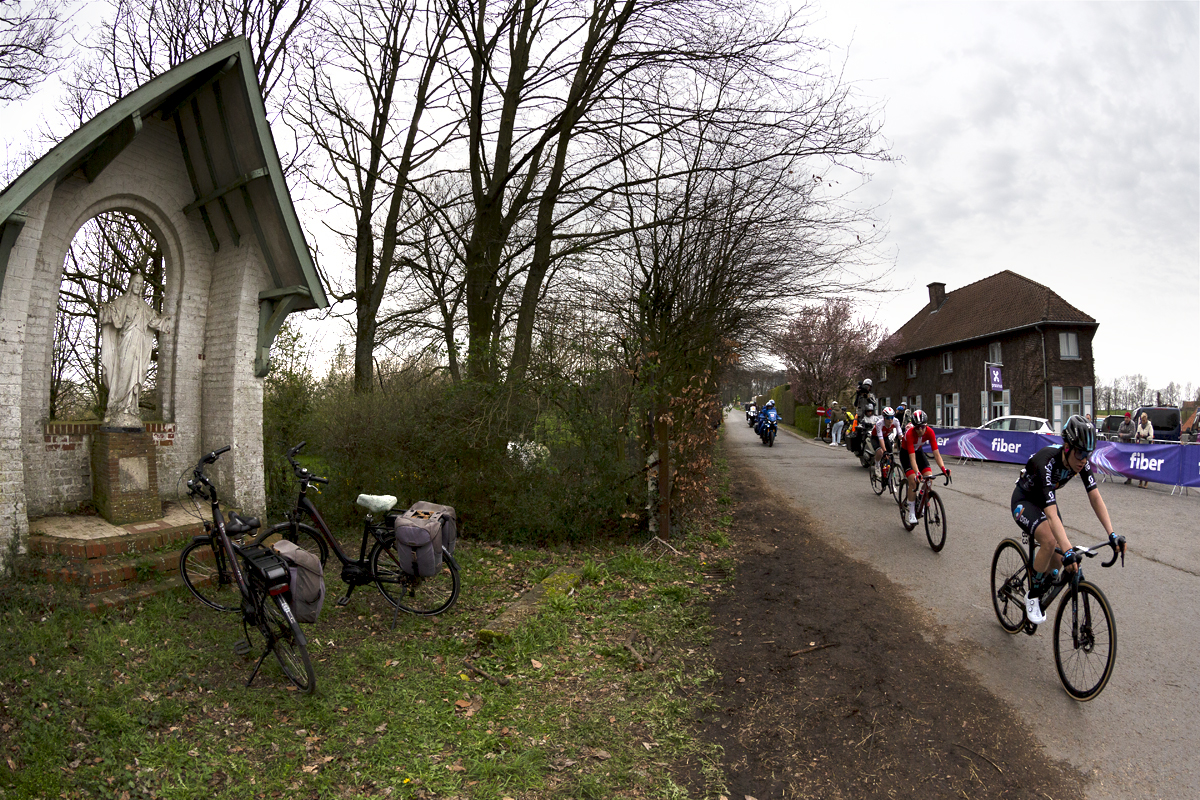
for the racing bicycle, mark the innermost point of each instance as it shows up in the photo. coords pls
(929, 507)
(1085, 633)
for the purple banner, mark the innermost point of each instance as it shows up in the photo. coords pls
(1011, 447)
(997, 380)
(1172, 464)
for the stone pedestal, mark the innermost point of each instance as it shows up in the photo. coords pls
(125, 476)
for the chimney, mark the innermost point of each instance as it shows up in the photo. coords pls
(937, 294)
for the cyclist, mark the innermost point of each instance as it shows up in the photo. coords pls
(1034, 503)
(884, 432)
(914, 437)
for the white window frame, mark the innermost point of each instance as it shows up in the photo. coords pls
(1056, 395)
(1068, 346)
(883, 374)
(912, 368)
(995, 354)
(1073, 406)
(947, 362)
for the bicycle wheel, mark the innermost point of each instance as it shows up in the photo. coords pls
(303, 536)
(281, 634)
(206, 574)
(877, 484)
(426, 597)
(1085, 647)
(1010, 582)
(894, 482)
(935, 522)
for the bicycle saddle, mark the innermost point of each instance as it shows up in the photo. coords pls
(235, 524)
(376, 503)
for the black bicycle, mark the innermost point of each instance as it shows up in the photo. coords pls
(1085, 633)
(228, 576)
(929, 507)
(424, 596)
(885, 475)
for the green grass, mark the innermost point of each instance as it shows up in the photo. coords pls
(150, 701)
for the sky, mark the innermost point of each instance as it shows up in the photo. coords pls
(1057, 140)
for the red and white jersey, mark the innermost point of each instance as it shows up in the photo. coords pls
(912, 441)
(885, 428)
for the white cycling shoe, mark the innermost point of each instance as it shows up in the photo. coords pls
(1033, 610)
(912, 517)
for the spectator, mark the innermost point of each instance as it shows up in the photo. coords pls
(1125, 433)
(838, 420)
(1143, 435)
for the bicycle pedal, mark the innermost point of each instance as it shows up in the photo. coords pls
(1030, 628)
(343, 601)
(241, 647)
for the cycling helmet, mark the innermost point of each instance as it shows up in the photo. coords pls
(920, 418)
(901, 407)
(888, 413)
(866, 382)
(1079, 435)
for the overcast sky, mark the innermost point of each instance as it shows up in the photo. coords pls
(1058, 140)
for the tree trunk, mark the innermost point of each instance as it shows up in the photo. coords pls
(663, 436)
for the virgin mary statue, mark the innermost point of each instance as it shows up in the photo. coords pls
(126, 342)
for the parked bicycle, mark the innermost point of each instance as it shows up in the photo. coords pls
(885, 475)
(228, 576)
(424, 596)
(929, 508)
(1085, 648)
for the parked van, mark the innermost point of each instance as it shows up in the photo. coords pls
(1165, 420)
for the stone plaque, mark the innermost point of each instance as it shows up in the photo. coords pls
(134, 475)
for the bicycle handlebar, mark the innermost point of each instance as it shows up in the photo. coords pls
(1117, 544)
(302, 473)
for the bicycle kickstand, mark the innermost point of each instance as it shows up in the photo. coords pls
(258, 664)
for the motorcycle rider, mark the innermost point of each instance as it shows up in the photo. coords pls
(762, 416)
(863, 395)
(862, 432)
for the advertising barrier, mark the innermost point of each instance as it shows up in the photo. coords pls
(1172, 464)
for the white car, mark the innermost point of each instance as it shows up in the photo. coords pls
(1019, 423)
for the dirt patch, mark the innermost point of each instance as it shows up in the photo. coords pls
(834, 685)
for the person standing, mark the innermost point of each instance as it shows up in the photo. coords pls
(1143, 435)
(838, 420)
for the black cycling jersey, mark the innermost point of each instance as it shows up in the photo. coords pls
(1045, 473)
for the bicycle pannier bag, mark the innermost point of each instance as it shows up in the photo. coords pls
(445, 514)
(420, 535)
(307, 594)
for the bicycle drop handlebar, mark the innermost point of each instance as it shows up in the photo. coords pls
(1117, 544)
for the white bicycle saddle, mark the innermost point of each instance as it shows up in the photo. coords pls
(377, 503)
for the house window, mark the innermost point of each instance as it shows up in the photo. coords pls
(947, 410)
(994, 354)
(912, 368)
(1072, 401)
(999, 406)
(947, 362)
(1068, 345)
(883, 374)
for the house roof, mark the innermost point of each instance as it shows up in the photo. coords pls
(214, 103)
(997, 304)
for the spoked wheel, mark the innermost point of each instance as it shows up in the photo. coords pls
(303, 536)
(1010, 581)
(206, 574)
(877, 484)
(894, 482)
(1085, 641)
(935, 522)
(426, 597)
(276, 627)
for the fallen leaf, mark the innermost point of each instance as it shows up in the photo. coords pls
(381, 728)
(741, 680)
(311, 769)
(456, 766)
(33, 661)
(536, 664)
(12, 764)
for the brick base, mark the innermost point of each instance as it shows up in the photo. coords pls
(125, 476)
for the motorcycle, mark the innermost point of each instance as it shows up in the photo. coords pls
(751, 415)
(768, 427)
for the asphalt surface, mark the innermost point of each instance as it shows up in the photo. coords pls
(1138, 738)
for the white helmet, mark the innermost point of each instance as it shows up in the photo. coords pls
(866, 382)
(770, 404)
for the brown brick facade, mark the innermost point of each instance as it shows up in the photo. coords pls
(125, 476)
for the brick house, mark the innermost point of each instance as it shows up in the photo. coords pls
(1042, 343)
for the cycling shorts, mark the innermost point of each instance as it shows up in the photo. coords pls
(1026, 513)
(885, 445)
(922, 464)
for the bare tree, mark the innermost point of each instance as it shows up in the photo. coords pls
(375, 87)
(29, 36)
(825, 347)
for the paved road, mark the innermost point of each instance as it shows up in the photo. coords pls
(1138, 739)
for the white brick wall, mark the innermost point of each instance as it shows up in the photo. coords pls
(206, 365)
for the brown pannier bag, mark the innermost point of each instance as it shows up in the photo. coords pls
(421, 533)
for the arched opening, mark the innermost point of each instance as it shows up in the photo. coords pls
(105, 254)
